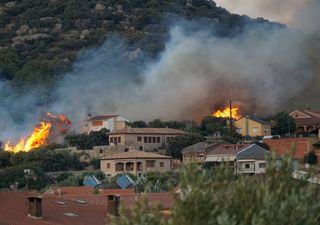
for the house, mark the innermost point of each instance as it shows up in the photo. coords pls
(135, 162)
(109, 122)
(252, 126)
(223, 153)
(307, 121)
(143, 138)
(252, 160)
(196, 153)
(298, 147)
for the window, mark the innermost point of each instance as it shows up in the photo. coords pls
(111, 140)
(262, 165)
(150, 163)
(140, 147)
(108, 165)
(139, 139)
(97, 123)
(255, 129)
(145, 139)
(161, 164)
(158, 140)
(247, 165)
(150, 139)
(266, 130)
(154, 140)
(119, 139)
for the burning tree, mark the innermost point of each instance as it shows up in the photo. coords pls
(41, 133)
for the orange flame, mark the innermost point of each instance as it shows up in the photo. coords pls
(36, 139)
(225, 113)
(40, 134)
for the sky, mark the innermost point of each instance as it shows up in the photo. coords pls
(290, 12)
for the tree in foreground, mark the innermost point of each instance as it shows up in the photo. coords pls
(220, 198)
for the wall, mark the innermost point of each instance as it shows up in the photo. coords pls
(131, 140)
(112, 170)
(247, 125)
(254, 166)
(300, 146)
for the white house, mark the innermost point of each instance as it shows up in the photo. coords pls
(251, 160)
(110, 122)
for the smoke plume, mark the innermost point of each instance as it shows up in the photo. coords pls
(264, 70)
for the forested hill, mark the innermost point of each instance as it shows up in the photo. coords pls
(39, 39)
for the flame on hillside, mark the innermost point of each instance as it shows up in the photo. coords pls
(40, 134)
(225, 113)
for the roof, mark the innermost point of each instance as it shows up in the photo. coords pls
(130, 130)
(102, 117)
(199, 147)
(312, 117)
(253, 151)
(256, 119)
(225, 149)
(135, 154)
(88, 208)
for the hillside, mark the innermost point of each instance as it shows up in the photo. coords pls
(39, 39)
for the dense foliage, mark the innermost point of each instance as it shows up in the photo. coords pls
(87, 141)
(40, 161)
(40, 39)
(176, 144)
(221, 199)
(284, 124)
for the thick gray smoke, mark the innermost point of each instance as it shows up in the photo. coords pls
(263, 69)
(260, 69)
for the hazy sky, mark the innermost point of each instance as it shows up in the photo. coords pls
(284, 11)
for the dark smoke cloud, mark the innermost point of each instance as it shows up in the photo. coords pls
(264, 69)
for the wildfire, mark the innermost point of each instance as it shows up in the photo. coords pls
(225, 113)
(40, 133)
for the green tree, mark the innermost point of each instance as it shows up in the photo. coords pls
(220, 198)
(284, 124)
(176, 144)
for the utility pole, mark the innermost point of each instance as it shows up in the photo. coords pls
(230, 116)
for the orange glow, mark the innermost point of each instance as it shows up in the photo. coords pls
(225, 113)
(38, 138)
(40, 133)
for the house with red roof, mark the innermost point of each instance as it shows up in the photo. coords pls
(109, 122)
(307, 121)
(135, 162)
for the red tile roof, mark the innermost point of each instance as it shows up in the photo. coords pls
(314, 118)
(226, 149)
(13, 208)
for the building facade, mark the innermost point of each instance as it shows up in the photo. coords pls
(252, 160)
(143, 138)
(298, 148)
(252, 126)
(135, 162)
(109, 122)
(307, 122)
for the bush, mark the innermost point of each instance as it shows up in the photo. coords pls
(220, 199)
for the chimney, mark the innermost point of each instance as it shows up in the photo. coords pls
(113, 205)
(34, 206)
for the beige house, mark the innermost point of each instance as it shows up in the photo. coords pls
(135, 162)
(143, 138)
(307, 121)
(252, 126)
(110, 122)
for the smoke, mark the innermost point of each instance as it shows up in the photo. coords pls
(264, 70)
(261, 70)
(301, 14)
